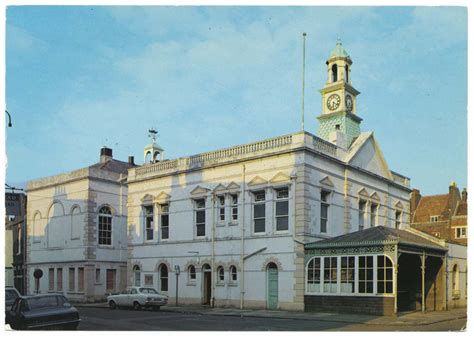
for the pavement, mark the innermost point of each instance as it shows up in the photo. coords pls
(403, 319)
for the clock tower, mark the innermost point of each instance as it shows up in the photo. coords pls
(338, 122)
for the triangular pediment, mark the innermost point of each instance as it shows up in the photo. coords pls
(375, 197)
(326, 181)
(257, 180)
(220, 187)
(362, 192)
(233, 186)
(280, 177)
(366, 154)
(399, 205)
(199, 191)
(147, 198)
(162, 197)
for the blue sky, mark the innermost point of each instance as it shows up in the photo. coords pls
(79, 78)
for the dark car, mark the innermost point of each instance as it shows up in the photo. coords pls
(51, 311)
(11, 294)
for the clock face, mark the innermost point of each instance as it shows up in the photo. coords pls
(349, 104)
(333, 102)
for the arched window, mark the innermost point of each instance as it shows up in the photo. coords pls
(192, 273)
(137, 275)
(220, 274)
(105, 226)
(233, 273)
(334, 73)
(347, 73)
(163, 277)
(148, 158)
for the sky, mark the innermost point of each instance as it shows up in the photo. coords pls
(79, 78)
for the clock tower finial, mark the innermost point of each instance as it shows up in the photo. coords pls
(338, 122)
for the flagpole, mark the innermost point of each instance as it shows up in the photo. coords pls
(302, 96)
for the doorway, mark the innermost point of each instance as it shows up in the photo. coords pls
(206, 282)
(272, 286)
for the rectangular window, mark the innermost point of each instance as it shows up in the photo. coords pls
(281, 209)
(105, 229)
(200, 211)
(51, 279)
(362, 206)
(148, 280)
(314, 275)
(434, 219)
(366, 274)
(80, 279)
(97, 276)
(259, 211)
(59, 279)
(72, 279)
(234, 207)
(373, 214)
(384, 275)
(221, 209)
(165, 218)
(324, 211)
(110, 280)
(347, 274)
(330, 274)
(398, 219)
(461, 232)
(149, 222)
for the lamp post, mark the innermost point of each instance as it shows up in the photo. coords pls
(9, 118)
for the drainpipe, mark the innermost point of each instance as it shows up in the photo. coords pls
(213, 258)
(242, 262)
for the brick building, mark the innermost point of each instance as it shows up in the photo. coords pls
(443, 216)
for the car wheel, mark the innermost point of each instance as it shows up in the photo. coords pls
(156, 308)
(112, 305)
(137, 306)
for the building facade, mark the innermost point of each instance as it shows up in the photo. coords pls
(445, 216)
(77, 231)
(15, 240)
(228, 227)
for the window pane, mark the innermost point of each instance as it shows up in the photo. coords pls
(200, 230)
(323, 225)
(165, 233)
(259, 225)
(282, 223)
(200, 216)
(259, 210)
(324, 211)
(282, 208)
(164, 220)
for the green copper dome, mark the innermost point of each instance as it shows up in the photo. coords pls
(339, 51)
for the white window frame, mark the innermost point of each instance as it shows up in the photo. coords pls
(460, 232)
(374, 215)
(256, 202)
(398, 220)
(190, 278)
(146, 217)
(434, 218)
(164, 209)
(198, 209)
(362, 218)
(221, 209)
(108, 216)
(233, 206)
(220, 275)
(232, 273)
(277, 200)
(324, 203)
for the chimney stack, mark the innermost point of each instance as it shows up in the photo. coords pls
(454, 196)
(105, 154)
(131, 160)
(415, 198)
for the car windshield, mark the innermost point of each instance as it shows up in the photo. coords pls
(42, 302)
(149, 290)
(10, 295)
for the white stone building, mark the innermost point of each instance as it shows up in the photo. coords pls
(77, 230)
(233, 222)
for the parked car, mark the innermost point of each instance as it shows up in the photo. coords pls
(51, 311)
(137, 298)
(11, 294)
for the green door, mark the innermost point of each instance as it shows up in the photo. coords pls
(272, 286)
